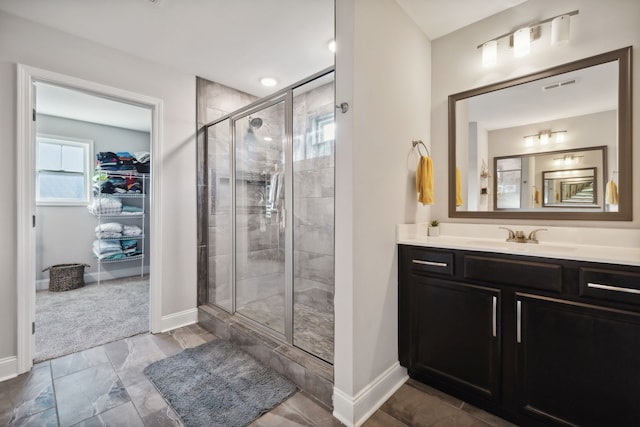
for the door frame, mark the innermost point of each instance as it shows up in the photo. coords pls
(25, 192)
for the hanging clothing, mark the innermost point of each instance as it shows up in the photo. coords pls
(424, 180)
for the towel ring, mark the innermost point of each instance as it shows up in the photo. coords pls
(418, 142)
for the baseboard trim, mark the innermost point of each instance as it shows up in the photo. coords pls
(353, 411)
(8, 368)
(178, 320)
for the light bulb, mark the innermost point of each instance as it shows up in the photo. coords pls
(544, 138)
(521, 42)
(490, 53)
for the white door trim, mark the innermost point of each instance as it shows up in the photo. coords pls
(26, 249)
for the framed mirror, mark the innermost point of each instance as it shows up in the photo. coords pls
(516, 144)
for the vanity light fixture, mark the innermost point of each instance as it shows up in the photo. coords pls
(521, 39)
(268, 81)
(544, 136)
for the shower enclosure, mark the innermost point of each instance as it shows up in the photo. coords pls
(271, 214)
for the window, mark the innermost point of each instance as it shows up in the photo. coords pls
(63, 170)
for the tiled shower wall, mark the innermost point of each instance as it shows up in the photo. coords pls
(213, 101)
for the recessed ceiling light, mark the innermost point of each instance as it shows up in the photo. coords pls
(268, 138)
(268, 81)
(332, 46)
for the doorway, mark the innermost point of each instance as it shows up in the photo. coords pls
(92, 153)
(28, 78)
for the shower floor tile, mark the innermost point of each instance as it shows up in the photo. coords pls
(312, 327)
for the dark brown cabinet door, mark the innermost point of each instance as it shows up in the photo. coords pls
(458, 335)
(577, 364)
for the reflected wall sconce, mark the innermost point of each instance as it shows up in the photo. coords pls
(544, 137)
(520, 40)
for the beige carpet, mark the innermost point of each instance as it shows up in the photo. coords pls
(75, 320)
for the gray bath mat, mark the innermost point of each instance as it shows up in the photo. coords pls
(216, 384)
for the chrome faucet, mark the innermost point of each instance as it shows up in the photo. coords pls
(519, 237)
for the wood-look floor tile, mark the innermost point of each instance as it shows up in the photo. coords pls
(382, 419)
(416, 408)
(486, 416)
(299, 410)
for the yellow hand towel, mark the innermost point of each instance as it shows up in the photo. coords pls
(536, 197)
(424, 180)
(611, 194)
(458, 191)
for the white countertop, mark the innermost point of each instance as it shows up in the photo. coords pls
(461, 236)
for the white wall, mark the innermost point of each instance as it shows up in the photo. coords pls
(65, 234)
(456, 66)
(31, 44)
(383, 72)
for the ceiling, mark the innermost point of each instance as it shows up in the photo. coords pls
(234, 43)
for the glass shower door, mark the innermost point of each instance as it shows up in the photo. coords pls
(260, 216)
(313, 212)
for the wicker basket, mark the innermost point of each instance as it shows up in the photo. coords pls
(64, 277)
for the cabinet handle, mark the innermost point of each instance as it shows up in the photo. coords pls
(519, 322)
(494, 322)
(434, 263)
(613, 288)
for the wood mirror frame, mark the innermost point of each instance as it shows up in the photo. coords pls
(624, 126)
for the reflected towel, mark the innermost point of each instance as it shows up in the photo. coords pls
(611, 194)
(536, 197)
(424, 180)
(458, 190)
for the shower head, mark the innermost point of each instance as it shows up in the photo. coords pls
(255, 122)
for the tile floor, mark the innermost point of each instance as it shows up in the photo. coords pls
(105, 386)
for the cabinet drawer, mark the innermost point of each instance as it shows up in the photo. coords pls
(535, 275)
(430, 261)
(611, 285)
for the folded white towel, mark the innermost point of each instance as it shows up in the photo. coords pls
(109, 227)
(131, 230)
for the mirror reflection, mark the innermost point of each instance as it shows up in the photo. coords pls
(516, 144)
(574, 187)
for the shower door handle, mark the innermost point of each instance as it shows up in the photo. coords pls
(283, 218)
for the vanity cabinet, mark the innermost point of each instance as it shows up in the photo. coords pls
(538, 341)
(577, 363)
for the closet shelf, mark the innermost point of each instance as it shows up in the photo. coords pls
(120, 216)
(140, 237)
(129, 258)
(120, 207)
